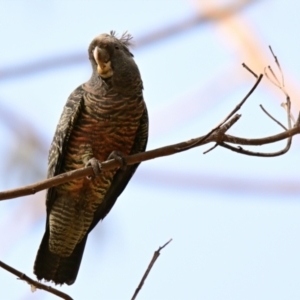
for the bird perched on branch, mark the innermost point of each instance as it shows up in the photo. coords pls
(105, 115)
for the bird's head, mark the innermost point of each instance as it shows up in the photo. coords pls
(113, 63)
(108, 53)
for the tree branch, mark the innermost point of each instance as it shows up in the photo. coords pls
(217, 135)
(258, 154)
(34, 284)
(151, 264)
(144, 156)
(238, 107)
(248, 69)
(286, 105)
(270, 116)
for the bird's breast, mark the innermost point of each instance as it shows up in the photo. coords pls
(105, 125)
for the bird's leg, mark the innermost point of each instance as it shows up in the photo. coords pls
(120, 158)
(96, 166)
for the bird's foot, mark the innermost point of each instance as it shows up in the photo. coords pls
(96, 166)
(120, 158)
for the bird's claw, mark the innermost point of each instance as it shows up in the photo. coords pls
(96, 166)
(120, 158)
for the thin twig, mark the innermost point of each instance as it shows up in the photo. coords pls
(199, 141)
(211, 148)
(224, 129)
(275, 81)
(286, 108)
(270, 116)
(286, 105)
(278, 65)
(240, 150)
(297, 123)
(34, 284)
(248, 69)
(260, 141)
(151, 264)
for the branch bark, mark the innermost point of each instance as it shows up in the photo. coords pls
(151, 264)
(148, 155)
(33, 283)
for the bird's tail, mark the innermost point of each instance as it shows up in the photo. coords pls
(52, 267)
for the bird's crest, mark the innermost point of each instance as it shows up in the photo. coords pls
(125, 38)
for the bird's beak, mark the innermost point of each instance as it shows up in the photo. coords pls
(102, 59)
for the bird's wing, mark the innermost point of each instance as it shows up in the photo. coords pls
(50, 266)
(64, 128)
(122, 177)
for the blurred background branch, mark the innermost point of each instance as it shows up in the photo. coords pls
(159, 35)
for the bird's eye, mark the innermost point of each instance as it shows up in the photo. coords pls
(116, 47)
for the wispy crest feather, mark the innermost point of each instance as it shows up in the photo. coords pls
(125, 38)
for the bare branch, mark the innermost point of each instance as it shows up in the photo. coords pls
(286, 105)
(274, 80)
(297, 123)
(34, 284)
(151, 264)
(223, 129)
(258, 154)
(211, 148)
(278, 65)
(248, 69)
(269, 115)
(261, 141)
(286, 108)
(144, 156)
(200, 140)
